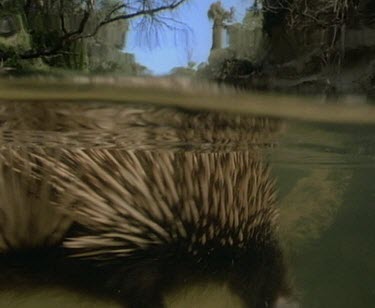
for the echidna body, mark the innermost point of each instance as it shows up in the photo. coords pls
(27, 219)
(153, 220)
(149, 214)
(158, 198)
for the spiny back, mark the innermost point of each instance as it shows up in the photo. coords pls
(132, 201)
(27, 217)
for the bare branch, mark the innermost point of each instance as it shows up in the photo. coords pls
(71, 36)
(62, 17)
(144, 8)
(144, 12)
(27, 7)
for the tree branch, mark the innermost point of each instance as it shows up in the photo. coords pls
(79, 33)
(142, 12)
(62, 17)
(75, 35)
(27, 7)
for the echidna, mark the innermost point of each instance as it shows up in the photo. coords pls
(155, 220)
(27, 219)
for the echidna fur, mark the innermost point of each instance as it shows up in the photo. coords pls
(144, 215)
(158, 198)
(27, 219)
(147, 222)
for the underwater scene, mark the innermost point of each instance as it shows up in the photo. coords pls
(170, 205)
(187, 153)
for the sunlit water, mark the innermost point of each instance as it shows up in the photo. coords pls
(324, 173)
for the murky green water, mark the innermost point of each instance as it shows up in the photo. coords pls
(326, 177)
(322, 158)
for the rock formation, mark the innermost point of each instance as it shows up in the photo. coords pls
(323, 47)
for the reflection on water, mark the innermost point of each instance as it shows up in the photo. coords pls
(131, 128)
(177, 207)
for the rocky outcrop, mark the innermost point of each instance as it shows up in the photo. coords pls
(325, 47)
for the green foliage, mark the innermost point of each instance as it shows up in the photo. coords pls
(75, 56)
(80, 34)
(41, 30)
(18, 42)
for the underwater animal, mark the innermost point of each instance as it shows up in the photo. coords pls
(141, 224)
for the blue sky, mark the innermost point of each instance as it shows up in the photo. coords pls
(173, 48)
